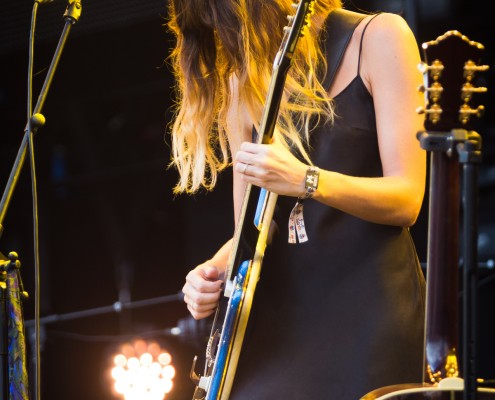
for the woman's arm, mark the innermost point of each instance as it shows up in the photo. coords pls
(389, 69)
(239, 130)
(204, 283)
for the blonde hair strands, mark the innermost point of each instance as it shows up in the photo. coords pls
(218, 38)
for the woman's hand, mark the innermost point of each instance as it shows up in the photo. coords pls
(272, 167)
(202, 290)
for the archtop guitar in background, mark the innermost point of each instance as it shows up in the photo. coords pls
(249, 241)
(450, 70)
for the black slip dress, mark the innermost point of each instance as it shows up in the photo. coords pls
(343, 313)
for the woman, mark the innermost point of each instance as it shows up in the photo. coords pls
(342, 313)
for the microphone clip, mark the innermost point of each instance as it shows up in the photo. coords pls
(73, 11)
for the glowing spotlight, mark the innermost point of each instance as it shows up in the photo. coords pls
(142, 371)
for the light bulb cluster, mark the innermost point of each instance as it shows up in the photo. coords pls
(142, 371)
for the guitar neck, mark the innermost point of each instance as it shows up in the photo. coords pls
(246, 234)
(273, 100)
(247, 230)
(442, 270)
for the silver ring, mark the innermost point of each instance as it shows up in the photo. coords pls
(245, 168)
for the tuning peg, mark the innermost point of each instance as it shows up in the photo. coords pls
(434, 91)
(435, 69)
(470, 68)
(465, 112)
(422, 67)
(433, 113)
(468, 89)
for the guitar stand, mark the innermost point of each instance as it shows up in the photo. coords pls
(470, 156)
(467, 145)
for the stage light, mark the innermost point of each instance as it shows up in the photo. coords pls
(142, 371)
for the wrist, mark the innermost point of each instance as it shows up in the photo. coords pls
(297, 230)
(311, 180)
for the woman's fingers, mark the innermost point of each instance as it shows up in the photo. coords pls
(202, 291)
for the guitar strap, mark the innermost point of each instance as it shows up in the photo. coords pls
(340, 25)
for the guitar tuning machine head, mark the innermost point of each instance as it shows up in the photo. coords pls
(468, 90)
(434, 112)
(470, 69)
(466, 112)
(435, 69)
(422, 67)
(434, 91)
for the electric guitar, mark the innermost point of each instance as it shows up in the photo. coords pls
(249, 241)
(449, 70)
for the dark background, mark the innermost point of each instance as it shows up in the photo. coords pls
(110, 228)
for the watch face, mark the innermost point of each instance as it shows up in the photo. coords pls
(312, 175)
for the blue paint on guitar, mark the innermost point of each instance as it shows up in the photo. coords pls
(260, 207)
(228, 332)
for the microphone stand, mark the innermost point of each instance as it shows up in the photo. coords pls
(37, 120)
(116, 307)
(469, 157)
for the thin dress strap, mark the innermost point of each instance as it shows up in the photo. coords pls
(361, 43)
(337, 34)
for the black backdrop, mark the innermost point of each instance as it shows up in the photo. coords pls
(110, 228)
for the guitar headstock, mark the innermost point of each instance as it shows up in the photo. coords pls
(450, 68)
(296, 27)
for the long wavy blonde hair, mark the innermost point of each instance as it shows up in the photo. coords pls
(218, 38)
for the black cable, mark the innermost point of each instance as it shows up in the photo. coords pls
(36, 262)
(34, 200)
(30, 62)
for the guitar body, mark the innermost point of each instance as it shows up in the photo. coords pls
(424, 392)
(240, 302)
(229, 330)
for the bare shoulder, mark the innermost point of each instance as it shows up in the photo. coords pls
(389, 30)
(389, 23)
(390, 50)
